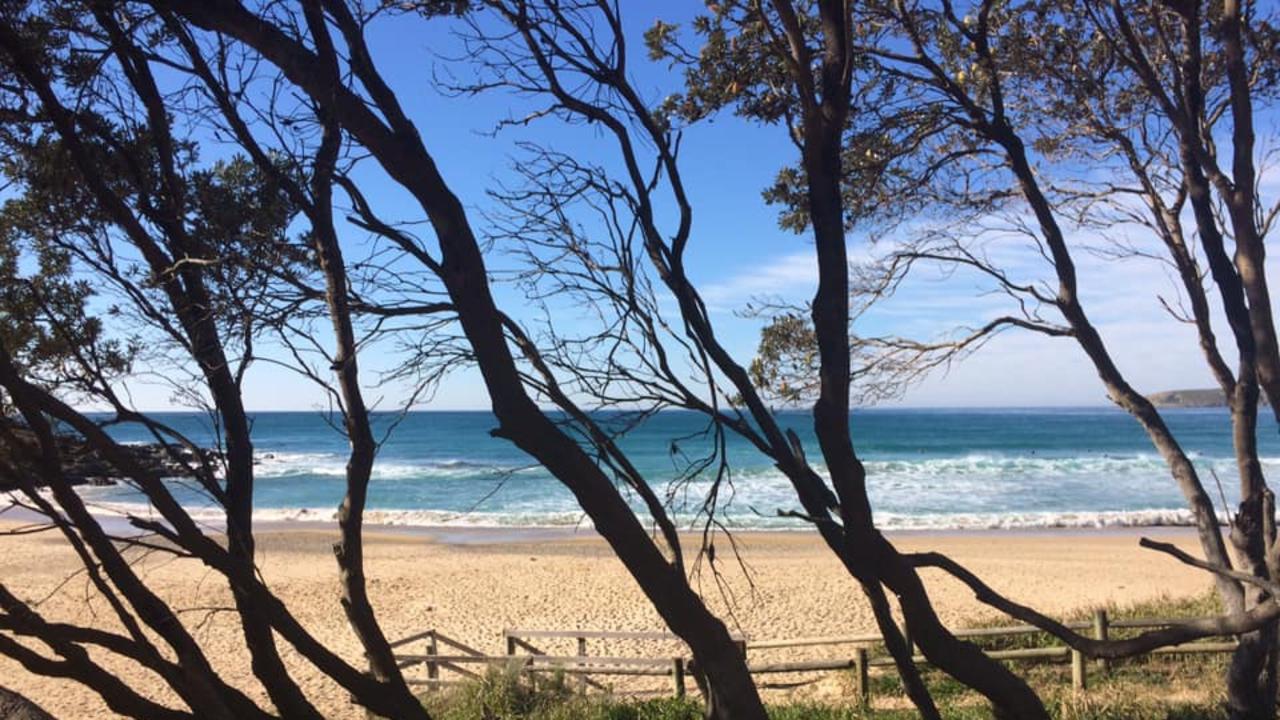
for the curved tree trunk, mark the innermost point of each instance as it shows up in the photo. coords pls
(394, 142)
(869, 556)
(1011, 697)
(16, 707)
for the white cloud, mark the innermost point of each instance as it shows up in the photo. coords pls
(1121, 296)
(793, 276)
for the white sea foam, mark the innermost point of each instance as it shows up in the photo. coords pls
(271, 465)
(1033, 520)
(963, 492)
(1154, 517)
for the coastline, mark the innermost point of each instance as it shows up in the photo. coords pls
(466, 533)
(472, 583)
(513, 535)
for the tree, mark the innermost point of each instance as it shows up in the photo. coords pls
(343, 89)
(616, 243)
(50, 290)
(752, 57)
(16, 707)
(994, 120)
(583, 77)
(104, 179)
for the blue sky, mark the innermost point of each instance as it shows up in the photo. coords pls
(738, 252)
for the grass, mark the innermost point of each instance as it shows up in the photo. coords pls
(1186, 687)
(1160, 675)
(502, 697)
(1150, 688)
(1200, 606)
(504, 694)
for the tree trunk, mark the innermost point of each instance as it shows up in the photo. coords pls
(397, 146)
(1010, 696)
(16, 707)
(730, 692)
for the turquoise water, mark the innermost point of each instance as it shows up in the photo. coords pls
(927, 469)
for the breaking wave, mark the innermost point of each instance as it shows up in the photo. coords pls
(426, 519)
(977, 491)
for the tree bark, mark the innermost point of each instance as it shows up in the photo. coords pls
(16, 707)
(399, 150)
(349, 551)
(870, 556)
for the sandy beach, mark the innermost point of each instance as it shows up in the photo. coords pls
(471, 585)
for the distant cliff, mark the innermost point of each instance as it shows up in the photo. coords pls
(1191, 398)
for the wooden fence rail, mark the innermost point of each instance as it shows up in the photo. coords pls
(525, 657)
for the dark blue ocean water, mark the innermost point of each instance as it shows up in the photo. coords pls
(928, 469)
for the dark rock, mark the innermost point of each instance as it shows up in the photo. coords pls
(82, 465)
(15, 707)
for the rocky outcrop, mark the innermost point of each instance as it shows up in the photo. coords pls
(1189, 398)
(82, 465)
(16, 707)
(1207, 398)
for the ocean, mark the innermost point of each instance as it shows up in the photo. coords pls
(927, 469)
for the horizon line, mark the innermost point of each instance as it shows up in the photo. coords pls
(866, 408)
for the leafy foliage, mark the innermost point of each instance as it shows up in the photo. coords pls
(786, 362)
(44, 324)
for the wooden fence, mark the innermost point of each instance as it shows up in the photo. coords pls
(441, 652)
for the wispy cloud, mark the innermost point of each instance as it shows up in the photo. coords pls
(1121, 296)
(793, 276)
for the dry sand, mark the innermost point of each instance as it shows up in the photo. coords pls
(471, 586)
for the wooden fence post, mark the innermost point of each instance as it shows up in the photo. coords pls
(511, 651)
(433, 668)
(861, 677)
(1100, 632)
(1078, 679)
(521, 653)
